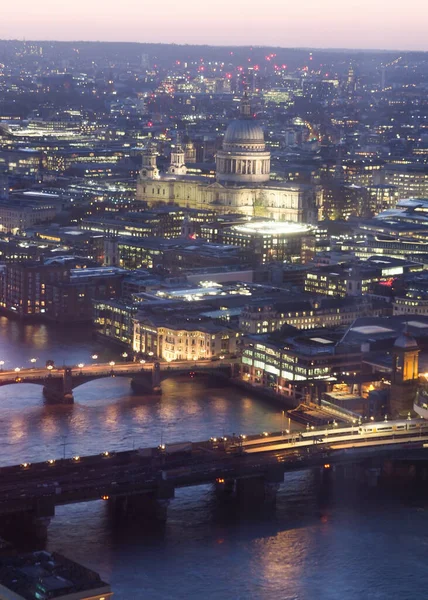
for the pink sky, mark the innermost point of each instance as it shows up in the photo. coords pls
(308, 23)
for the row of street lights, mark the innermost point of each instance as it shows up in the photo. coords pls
(33, 361)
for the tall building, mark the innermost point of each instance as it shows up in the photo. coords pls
(242, 179)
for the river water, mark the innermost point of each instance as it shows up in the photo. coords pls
(312, 547)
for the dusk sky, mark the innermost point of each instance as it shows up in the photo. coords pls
(309, 23)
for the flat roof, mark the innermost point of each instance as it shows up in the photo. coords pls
(49, 575)
(321, 340)
(371, 329)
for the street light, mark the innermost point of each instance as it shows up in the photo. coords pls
(17, 370)
(142, 361)
(80, 365)
(124, 355)
(1, 364)
(33, 360)
(112, 363)
(94, 356)
(49, 367)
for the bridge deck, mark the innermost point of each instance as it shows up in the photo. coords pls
(81, 479)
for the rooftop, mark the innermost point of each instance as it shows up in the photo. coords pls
(44, 575)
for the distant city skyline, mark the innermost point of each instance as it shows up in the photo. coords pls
(332, 24)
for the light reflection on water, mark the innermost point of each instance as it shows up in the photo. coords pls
(310, 548)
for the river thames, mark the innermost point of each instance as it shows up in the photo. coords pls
(311, 547)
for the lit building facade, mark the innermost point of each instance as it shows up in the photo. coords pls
(269, 241)
(114, 320)
(17, 216)
(326, 312)
(276, 363)
(411, 181)
(182, 341)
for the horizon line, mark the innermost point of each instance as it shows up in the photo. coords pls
(301, 48)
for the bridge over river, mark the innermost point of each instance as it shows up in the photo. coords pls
(59, 383)
(248, 469)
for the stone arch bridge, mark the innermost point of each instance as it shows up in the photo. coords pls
(59, 383)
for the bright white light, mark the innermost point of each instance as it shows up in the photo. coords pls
(271, 227)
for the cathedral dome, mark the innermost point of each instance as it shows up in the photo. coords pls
(243, 158)
(243, 131)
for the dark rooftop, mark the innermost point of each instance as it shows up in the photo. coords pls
(44, 575)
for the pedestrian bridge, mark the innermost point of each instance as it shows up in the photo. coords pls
(59, 383)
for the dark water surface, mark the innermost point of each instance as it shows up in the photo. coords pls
(310, 548)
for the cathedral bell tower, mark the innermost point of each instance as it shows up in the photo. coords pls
(177, 166)
(149, 169)
(405, 374)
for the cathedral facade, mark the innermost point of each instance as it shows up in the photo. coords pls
(242, 183)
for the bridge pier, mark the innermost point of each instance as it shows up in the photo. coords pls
(252, 491)
(147, 507)
(29, 524)
(156, 378)
(147, 382)
(59, 390)
(349, 474)
(25, 526)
